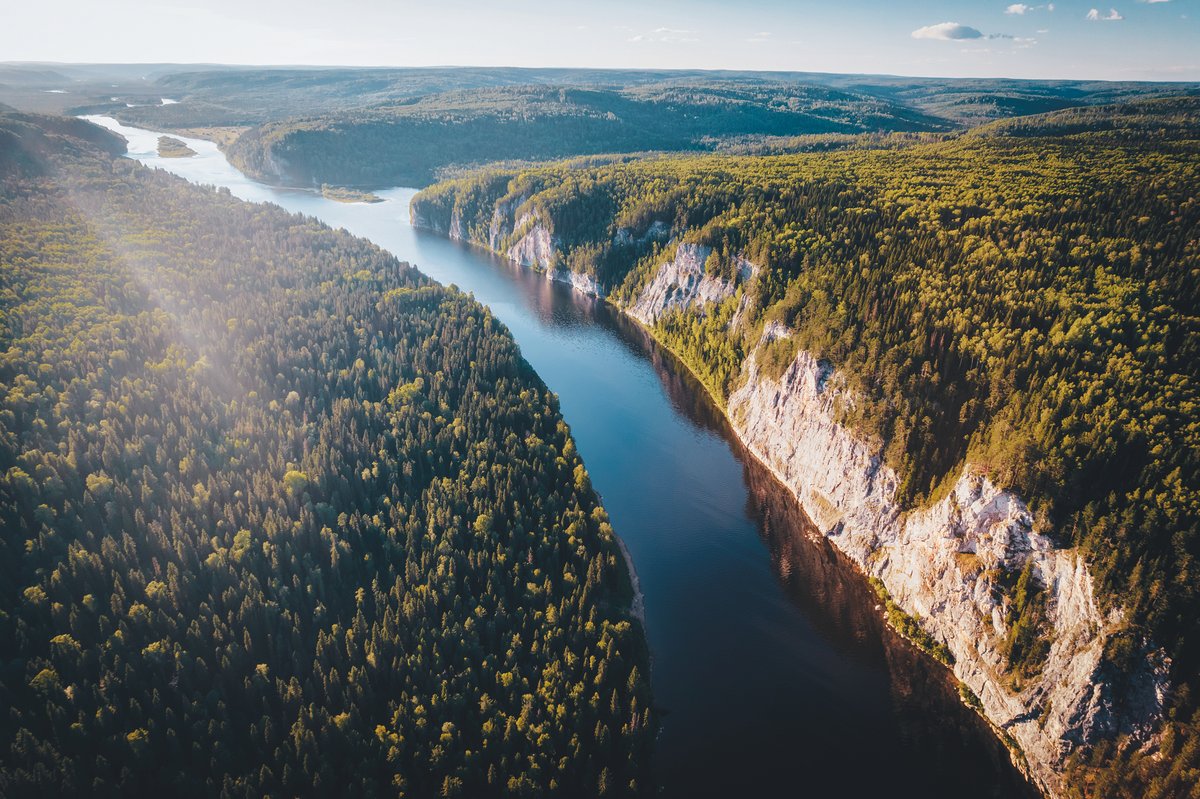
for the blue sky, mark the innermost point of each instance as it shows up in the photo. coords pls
(1113, 39)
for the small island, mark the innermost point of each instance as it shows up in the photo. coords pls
(346, 195)
(173, 148)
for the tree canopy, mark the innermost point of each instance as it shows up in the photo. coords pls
(281, 516)
(1023, 297)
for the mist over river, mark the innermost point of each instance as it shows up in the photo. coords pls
(772, 668)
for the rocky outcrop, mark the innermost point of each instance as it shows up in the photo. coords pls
(941, 565)
(502, 223)
(583, 283)
(657, 231)
(944, 565)
(536, 247)
(262, 162)
(684, 282)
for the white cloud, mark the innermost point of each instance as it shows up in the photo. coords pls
(666, 35)
(1018, 8)
(955, 32)
(947, 32)
(1112, 16)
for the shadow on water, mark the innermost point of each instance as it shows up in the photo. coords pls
(828, 589)
(928, 743)
(773, 669)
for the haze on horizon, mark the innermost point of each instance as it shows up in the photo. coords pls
(1133, 40)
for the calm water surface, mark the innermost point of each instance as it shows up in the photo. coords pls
(772, 668)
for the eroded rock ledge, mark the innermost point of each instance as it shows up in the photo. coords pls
(938, 563)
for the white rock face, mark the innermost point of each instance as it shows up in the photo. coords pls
(658, 231)
(682, 282)
(939, 562)
(537, 248)
(457, 231)
(582, 283)
(937, 565)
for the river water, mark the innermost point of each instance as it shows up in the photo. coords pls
(773, 670)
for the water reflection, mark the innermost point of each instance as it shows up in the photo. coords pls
(927, 744)
(773, 669)
(828, 589)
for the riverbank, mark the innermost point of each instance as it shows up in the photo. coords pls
(637, 605)
(768, 653)
(941, 563)
(904, 625)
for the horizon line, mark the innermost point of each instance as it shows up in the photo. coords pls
(317, 67)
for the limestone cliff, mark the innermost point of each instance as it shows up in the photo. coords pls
(683, 282)
(941, 564)
(526, 241)
(944, 564)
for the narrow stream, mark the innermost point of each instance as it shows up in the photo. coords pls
(773, 669)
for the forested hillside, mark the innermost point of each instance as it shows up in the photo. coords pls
(1023, 298)
(376, 127)
(408, 144)
(415, 140)
(382, 127)
(281, 516)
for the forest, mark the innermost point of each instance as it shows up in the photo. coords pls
(280, 515)
(382, 127)
(210, 94)
(1022, 297)
(416, 140)
(410, 143)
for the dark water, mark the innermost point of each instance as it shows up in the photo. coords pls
(772, 667)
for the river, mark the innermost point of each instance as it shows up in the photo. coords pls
(772, 668)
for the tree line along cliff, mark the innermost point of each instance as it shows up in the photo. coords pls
(280, 515)
(1022, 297)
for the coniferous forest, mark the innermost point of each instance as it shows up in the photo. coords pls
(1022, 297)
(281, 516)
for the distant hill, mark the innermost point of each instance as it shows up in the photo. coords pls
(371, 127)
(409, 143)
(31, 76)
(28, 143)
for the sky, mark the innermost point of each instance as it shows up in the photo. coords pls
(1091, 39)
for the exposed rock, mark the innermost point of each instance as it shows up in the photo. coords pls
(276, 169)
(502, 225)
(419, 219)
(583, 283)
(658, 231)
(939, 563)
(849, 492)
(536, 247)
(683, 282)
(745, 305)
